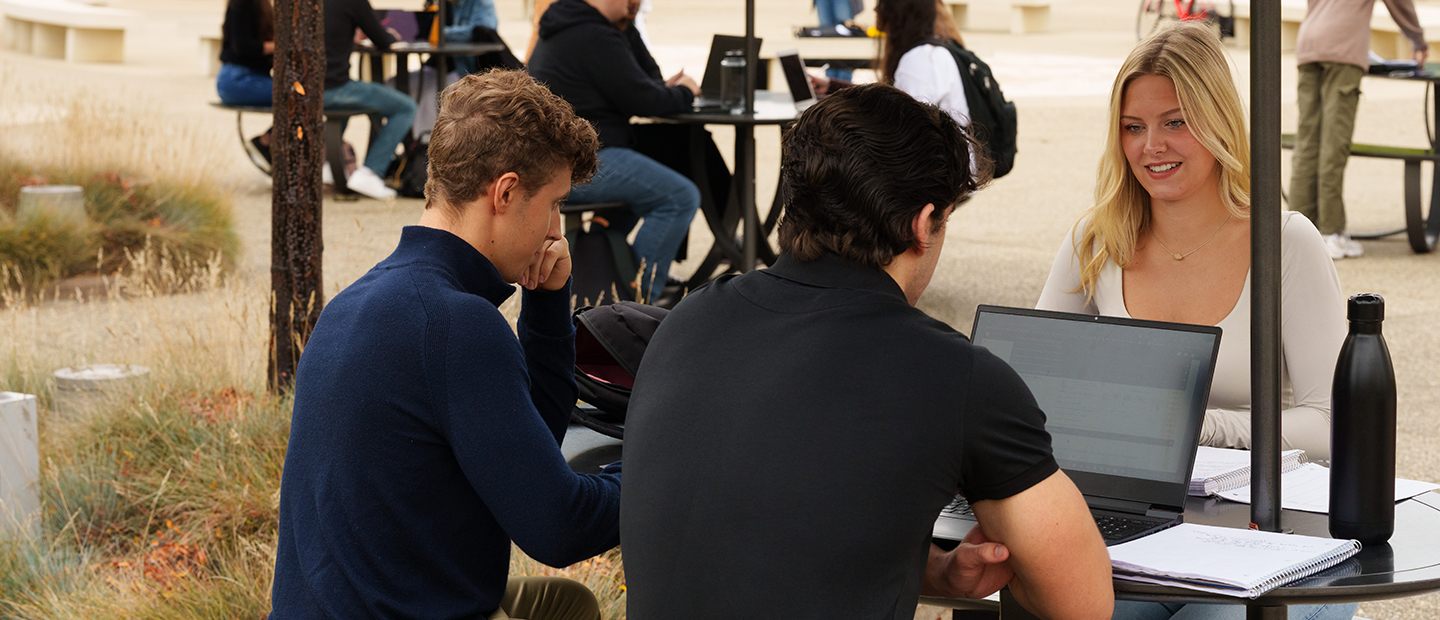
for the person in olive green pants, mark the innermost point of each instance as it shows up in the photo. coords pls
(1332, 50)
(1329, 93)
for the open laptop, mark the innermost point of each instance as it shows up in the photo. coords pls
(412, 26)
(1124, 401)
(801, 90)
(709, 99)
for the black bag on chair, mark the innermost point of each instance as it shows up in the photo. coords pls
(411, 170)
(604, 265)
(610, 341)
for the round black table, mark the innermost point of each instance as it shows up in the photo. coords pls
(772, 108)
(1409, 565)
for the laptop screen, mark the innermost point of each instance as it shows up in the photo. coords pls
(1122, 398)
(719, 44)
(794, 67)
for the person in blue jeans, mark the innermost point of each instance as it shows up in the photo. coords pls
(835, 13)
(588, 57)
(467, 14)
(247, 48)
(394, 109)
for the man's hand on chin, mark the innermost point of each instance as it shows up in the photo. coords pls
(551, 268)
(975, 569)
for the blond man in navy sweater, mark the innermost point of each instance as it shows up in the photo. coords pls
(426, 436)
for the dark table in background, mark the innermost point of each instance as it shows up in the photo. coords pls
(753, 245)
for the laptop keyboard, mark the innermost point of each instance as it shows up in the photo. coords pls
(1112, 528)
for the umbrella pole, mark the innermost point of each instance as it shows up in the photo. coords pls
(1265, 268)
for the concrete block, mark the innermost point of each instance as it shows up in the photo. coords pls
(19, 465)
(79, 390)
(60, 203)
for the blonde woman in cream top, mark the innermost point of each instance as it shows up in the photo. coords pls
(1312, 328)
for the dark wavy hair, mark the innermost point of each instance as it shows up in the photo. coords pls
(861, 164)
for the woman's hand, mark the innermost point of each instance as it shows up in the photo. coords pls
(268, 47)
(821, 84)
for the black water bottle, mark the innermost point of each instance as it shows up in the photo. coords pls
(1362, 431)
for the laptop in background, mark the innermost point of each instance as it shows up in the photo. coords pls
(1124, 401)
(800, 87)
(709, 99)
(412, 26)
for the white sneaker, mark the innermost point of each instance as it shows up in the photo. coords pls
(1353, 249)
(1340, 245)
(325, 176)
(365, 181)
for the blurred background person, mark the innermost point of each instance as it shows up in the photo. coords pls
(247, 54)
(1332, 51)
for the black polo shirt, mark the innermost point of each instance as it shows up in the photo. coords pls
(792, 436)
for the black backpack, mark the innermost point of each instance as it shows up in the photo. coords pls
(412, 168)
(610, 341)
(992, 119)
(604, 265)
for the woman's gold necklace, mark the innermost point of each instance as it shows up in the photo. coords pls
(1179, 256)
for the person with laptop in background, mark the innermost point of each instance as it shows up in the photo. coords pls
(1169, 239)
(794, 432)
(394, 109)
(586, 58)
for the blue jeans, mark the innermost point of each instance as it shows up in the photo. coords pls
(395, 107)
(665, 198)
(468, 14)
(1134, 610)
(832, 13)
(239, 85)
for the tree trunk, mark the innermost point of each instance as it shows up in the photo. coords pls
(298, 147)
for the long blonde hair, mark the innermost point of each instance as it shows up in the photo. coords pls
(1190, 55)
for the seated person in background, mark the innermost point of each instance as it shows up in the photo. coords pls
(1169, 239)
(584, 57)
(475, 21)
(396, 109)
(247, 48)
(425, 436)
(913, 58)
(794, 432)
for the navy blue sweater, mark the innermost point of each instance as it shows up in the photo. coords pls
(425, 438)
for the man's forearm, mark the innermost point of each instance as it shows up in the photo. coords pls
(548, 339)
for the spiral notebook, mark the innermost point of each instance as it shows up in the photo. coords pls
(1227, 561)
(1222, 469)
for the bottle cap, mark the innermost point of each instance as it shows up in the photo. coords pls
(1367, 307)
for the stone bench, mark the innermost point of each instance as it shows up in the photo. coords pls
(64, 29)
(960, 12)
(1029, 16)
(1026, 16)
(210, 54)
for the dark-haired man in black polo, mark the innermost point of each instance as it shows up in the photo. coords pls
(794, 432)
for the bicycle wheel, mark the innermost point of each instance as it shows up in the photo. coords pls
(1152, 14)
